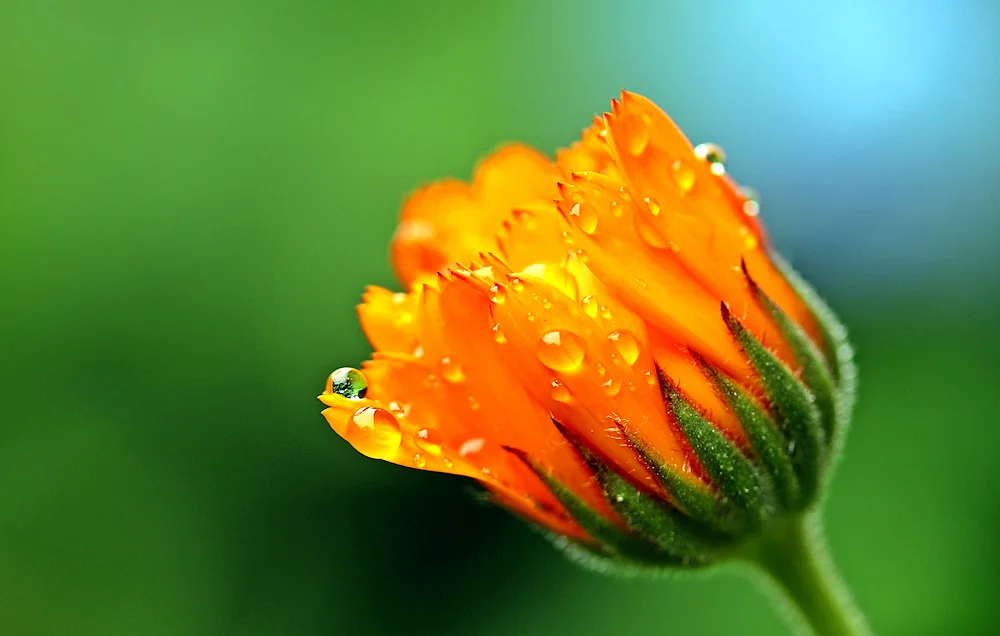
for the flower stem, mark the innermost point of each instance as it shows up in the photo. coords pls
(793, 554)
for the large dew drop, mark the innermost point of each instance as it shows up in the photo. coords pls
(374, 432)
(348, 382)
(561, 350)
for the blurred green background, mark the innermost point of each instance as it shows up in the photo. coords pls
(193, 195)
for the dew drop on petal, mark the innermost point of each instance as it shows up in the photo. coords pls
(653, 206)
(498, 294)
(559, 391)
(447, 462)
(627, 345)
(589, 306)
(451, 371)
(749, 239)
(419, 460)
(561, 350)
(585, 217)
(683, 175)
(751, 207)
(516, 283)
(714, 155)
(611, 386)
(601, 371)
(374, 432)
(498, 336)
(348, 382)
(429, 441)
(650, 378)
(605, 312)
(473, 403)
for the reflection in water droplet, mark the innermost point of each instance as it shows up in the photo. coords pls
(627, 345)
(516, 283)
(683, 174)
(612, 386)
(589, 306)
(605, 312)
(561, 350)
(348, 382)
(471, 446)
(498, 294)
(559, 391)
(451, 371)
(419, 460)
(374, 432)
(585, 217)
(429, 441)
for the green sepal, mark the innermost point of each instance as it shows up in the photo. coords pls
(765, 438)
(649, 515)
(816, 371)
(614, 541)
(796, 414)
(744, 496)
(836, 347)
(697, 501)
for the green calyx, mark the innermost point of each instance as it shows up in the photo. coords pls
(744, 487)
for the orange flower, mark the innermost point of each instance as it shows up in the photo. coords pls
(564, 317)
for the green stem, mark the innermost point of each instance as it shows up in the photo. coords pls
(794, 555)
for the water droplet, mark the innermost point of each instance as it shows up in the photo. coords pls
(638, 135)
(624, 194)
(653, 206)
(627, 345)
(429, 441)
(567, 238)
(585, 217)
(498, 294)
(447, 462)
(605, 312)
(714, 155)
(530, 316)
(473, 403)
(589, 306)
(561, 350)
(432, 382)
(650, 378)
(751, 207)
(617, 210)
(683, 174)
(348, 382)
(749, 238)
(640, 282)
(498, 336)
(559, 391)
(516, 283)
(471, 446)
(601, 371)
(399, 298)
(612, 386)
(631, 387)
(546, 303)
(451, 371)
(419, 460)
(374, 432)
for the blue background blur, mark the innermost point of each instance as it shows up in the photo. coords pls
(194, 193)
